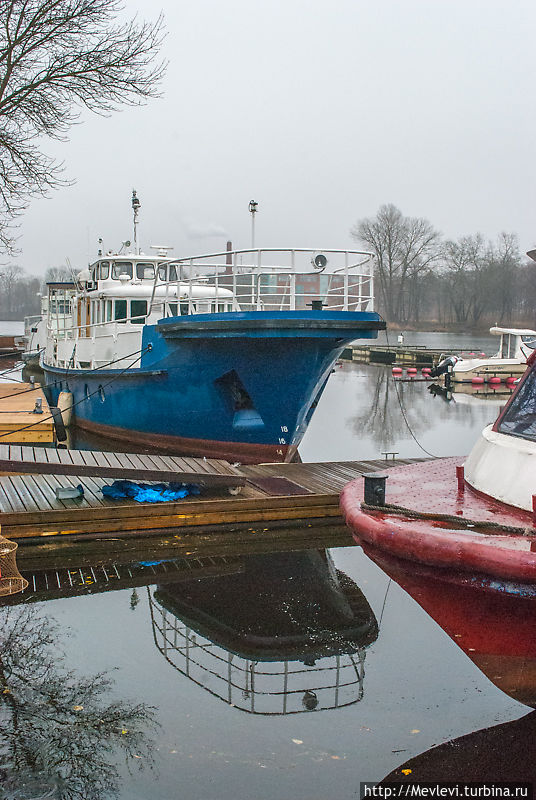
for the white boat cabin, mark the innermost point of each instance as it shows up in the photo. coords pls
(99, 320)
(516, 343)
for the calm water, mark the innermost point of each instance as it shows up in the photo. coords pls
(271, 634)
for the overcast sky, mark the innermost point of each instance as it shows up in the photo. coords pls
(321, 111)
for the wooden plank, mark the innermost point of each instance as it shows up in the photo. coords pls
(124, 509)
(149, 462)
(40, 455)
(197, 465)
(100, 458)
(45, 480)
(42, 435)
(52, 455)
(5, 503)
(136, 461)
(55, 481)
(77, 458)
(13, 497)
(89, 467)
(16, 453)
(174, 521)
(110, 460)
(65, 456)
(13, 485)
(27, 453)
(89, 458)
(174, 464)
(159, 462)
(41, 494)
(92, 487)
(22, 490)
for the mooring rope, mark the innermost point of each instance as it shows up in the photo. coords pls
(86, 372)
(458, 522)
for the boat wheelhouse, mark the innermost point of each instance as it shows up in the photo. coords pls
(225, 354)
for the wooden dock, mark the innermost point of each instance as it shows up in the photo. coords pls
(401, 355)
(271, 496)
(19, 421)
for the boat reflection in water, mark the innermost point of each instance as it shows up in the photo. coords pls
(497, 631)
(285, 634)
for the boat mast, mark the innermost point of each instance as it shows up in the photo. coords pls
(135, 207)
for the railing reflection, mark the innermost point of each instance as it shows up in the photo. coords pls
(264, 646)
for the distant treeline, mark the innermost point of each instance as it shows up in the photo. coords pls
(20, 294)
(423, 279)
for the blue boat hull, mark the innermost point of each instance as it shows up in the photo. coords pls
(241, 386)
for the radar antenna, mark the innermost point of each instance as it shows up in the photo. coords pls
(135, 208)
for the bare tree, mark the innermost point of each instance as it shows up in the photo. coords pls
(63, 273)
(56, 58)
(9, 276)
(504, 272)
(464, 261)
(406, 248)
(481, 278)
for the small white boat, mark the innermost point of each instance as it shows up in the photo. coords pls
(515, 347)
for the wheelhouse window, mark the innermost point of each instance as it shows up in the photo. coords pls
(121, 268)
(144, 271)
(120, 310)
(138, 311)
(520, 417)
(504, 345)
(165, 272)
(59, 306)
(184, 309)
(104, 270)
(530, 341)
(172, 309)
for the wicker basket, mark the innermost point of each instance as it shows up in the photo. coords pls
(11, 581)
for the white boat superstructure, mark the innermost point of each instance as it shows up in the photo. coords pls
(502, 464)
(99, 320)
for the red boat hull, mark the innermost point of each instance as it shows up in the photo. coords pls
(432, 488)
